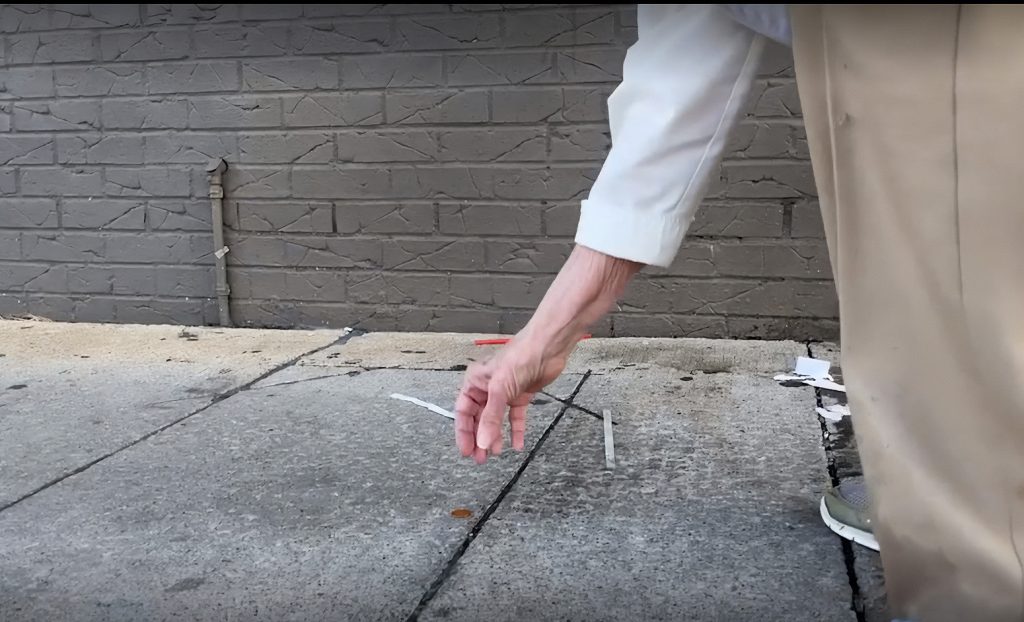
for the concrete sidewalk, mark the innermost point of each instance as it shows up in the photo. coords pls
(154, 473)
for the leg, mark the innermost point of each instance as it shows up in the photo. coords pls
(912, 117)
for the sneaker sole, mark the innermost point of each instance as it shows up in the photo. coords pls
(859, 536)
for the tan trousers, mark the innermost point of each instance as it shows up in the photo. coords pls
(915, 117)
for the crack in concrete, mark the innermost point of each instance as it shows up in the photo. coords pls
(856, 598)
(450, 566)
(220, 397)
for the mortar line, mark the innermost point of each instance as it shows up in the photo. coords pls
(216, 400)
(449, 567)
(856, 599)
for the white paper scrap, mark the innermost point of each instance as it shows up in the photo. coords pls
(812, 368)
(431, 407)
(609, 441)
(824, 383)
(834, 412)
(220, 253)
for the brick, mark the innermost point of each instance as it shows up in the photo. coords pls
(33, 277)
(101, 80)
(447, 32)
(526, 256)
(26, 82)
(517, 105)
(24, 17)
(141, 182)
(346, 109)
(57, 308)
(457, 255)
(767, 140)
(190, 13)
(63, 247)
(759, 181)
(560, 27)
(169, 215)
(391, 288)
(145, 114)
(286, 148)
(777, 61)
(776, 259)
(28, 213)
(373, 71)
(192, 77)
(22, 149)
(102, 213)
(243, 41)
(441, 182)
(774, 99)
(561, 219)
(62, 181)
(586, 104)
(234, 112)
(184, 281)
(489, 220)
(447, 107)
(556, 184)
(580, 143)
(143, 45)
(305, 285)
(800, 329)
(539, 29)
(739, 297)
(502, 292)
(8, 182)
(493, 145)
(410, 145)
(257, 182)
(99, 149)
(57, 115)
(95, 15)
(341, 183)
(807, 221)
(10, 245)
(147, 310)
(64, 47)
(287, 217)
(675, 326)
(732, 220)
(189, 148)
(173, 248)
(500, 68)
(340, 37)
(385, 218)
(581, 66)
(303, 74)
(270, 11)
(100, 279)
(306, 252)
(6, 110)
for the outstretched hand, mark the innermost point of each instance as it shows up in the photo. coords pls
(503, 385)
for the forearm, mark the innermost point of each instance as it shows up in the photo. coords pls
(587, 286)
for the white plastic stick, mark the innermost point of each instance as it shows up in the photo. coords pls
(431, 407)
(609, 441)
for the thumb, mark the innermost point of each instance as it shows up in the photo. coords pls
(488, 433)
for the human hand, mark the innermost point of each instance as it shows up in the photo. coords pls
(504, 384)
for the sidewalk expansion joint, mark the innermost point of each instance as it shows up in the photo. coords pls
(449, 567)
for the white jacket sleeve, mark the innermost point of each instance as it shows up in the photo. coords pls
(685, 82)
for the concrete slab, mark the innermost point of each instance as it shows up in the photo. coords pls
(710, 514)
(315, 500)
(424, 351)
(71, 393)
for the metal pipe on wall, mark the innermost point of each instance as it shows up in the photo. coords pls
(215, 175)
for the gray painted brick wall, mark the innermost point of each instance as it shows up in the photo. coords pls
(412, 167)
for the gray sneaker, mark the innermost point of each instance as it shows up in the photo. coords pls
(846, 511)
